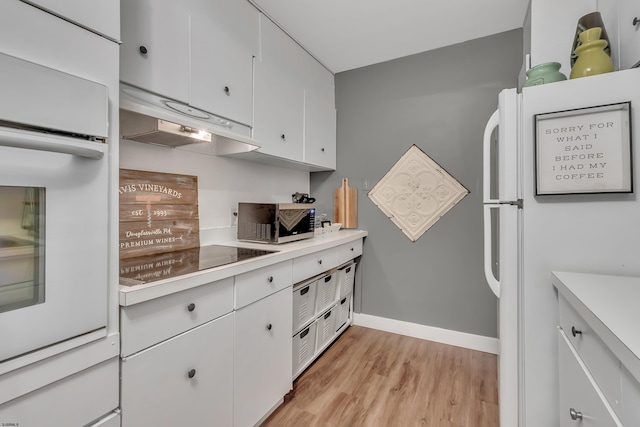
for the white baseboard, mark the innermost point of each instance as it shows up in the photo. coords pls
(444, 336)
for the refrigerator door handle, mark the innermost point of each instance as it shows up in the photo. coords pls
(492, 124)
(494, 284)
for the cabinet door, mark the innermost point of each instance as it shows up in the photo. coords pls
(263, 349)
(154, 54)
(319, 117)
(580, 400)
(101, 16)
(279, 93)
(224, 40)
(184, 381)
(629, 33)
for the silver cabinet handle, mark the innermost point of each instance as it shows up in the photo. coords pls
(575, 415)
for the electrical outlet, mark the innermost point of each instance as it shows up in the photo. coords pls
(234, 216)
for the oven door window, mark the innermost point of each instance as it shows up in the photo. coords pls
(21, 247)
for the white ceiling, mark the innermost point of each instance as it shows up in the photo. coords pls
(348, 34)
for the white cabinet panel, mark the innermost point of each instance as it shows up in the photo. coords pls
(630, 399)
(345, 253)
(263, 357)
(601, 362)
(182, 381)
(224, 40)
(101, 16)
(319, 116)
(279, 93)
(580, 399)
(154, 54)
(629, 33)
(148, 323)
(73, 401)
(313, 264)
(257, 284)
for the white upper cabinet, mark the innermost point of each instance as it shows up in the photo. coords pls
(319, 117)
(224, 57)
(224, 40)
(197, 52)
(629, 35)
(279, 93)
(154, 54)
(100, 16)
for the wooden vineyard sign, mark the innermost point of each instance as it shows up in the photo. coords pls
(158, 213)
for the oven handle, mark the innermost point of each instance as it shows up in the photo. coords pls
(19, 138)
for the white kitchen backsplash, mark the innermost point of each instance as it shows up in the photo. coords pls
(222, 182)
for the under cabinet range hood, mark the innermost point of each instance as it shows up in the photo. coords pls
(153, 119)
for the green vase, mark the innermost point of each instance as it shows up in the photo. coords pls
(592, 59)
(548, 72)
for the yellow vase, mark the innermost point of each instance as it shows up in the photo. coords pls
(592, 59)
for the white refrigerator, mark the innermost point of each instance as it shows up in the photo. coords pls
(560, 178)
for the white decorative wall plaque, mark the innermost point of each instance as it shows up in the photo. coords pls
(416, 193)
(584, 151)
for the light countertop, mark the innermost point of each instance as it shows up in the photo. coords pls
(609, 305)
(130, 295)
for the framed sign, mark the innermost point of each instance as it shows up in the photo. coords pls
(584, 151)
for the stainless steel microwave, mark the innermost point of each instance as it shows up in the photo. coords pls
(275, 222)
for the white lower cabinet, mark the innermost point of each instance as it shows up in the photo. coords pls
(186, 380)
(581, 400)
(263, 349)
(76, 400)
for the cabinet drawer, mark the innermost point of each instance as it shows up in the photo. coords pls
(182, 381)
(348, 251)
(313, 264)
(579, 393)
(75, 400)
(145, 324)
(600, 361)
(257, 284)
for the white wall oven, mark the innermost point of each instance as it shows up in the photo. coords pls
(53, 207)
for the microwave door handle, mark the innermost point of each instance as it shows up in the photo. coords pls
(19, 138)
(494, 284)
(492, 124)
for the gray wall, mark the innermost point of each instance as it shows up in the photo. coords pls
(440, 101)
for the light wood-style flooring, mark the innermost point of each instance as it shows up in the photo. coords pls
(374, 378)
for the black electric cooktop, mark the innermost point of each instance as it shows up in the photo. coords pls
(150, 268)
